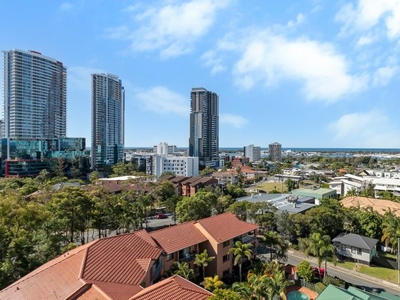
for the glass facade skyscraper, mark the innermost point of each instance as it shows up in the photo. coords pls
(108, 111)
(204, 127)
(35, 96)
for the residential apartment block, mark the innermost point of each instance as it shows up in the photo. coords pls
(108, 123)
(204, 127)
(131, 266)
(275, 151)
(253, 153)
(178, 165)
(35, 96)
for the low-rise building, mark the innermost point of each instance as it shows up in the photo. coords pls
(318, 194)
(356, 247)
(130, 266)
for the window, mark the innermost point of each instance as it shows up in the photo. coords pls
(226, 244)
(343, 247)
(225, 258)
(226, 273)
(355, 250)
(170, 256)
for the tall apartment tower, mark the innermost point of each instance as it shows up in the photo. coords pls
(108, 123)
(204, 127)
(275, 151)
(35, 96)
(253, 153)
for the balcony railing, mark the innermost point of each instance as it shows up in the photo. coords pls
(187, 257)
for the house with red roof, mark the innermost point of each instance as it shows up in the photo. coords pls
(216, 234)
(129, 266)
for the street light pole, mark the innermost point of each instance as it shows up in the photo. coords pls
(398, 260)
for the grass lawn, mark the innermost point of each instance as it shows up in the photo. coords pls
(280, 186)
(375, 271)
(269, 186)
(387, 255)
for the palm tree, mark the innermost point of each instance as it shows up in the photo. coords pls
(390, 230)
(202, 260)
(319, 246)
(276, 285)
(213, 283)
(244, 290)
(240, 252)
(182, 269)
(275, 243)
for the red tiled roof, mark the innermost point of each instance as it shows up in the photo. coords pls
(58, 278)
(115, 259)
(115, 264)
(173, 288)
(225, 226)
(110, 291)
(178, 237)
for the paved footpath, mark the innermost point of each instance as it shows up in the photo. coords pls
(301, 255)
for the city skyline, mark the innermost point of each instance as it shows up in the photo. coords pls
(306, 74)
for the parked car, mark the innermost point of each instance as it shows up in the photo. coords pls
(319, 271)
(161, 216)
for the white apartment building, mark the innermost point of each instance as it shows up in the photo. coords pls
(178, 165)
(348, 182)
(253, 153)
(164, 149)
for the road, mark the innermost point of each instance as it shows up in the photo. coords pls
(153, 223)
(349, 277)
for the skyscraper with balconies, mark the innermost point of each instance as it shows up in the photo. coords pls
(35, 96)
(108, 123)
(275, 151)
(204, 127)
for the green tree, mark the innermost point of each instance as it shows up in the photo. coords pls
(183, 269)
(319, 246)
(192, 208)
(171, 204)
(224, 294)
(390, 230)
(277, 246)
(202, 260)
(213, 283)
(241, 251)
(276, 285)
(305, 271)
(72, 209)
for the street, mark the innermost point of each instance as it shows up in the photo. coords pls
(349, 277)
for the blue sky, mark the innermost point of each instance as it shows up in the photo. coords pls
(307, 73)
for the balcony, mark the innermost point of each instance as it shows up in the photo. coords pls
(156, 270)
(245, 239)
(187, 257)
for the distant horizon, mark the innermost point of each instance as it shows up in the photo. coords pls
(283, 148)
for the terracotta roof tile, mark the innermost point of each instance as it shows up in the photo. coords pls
(114, 259)
(58, 278)
(173, 288)
(178, 237)
(110, 291)
(225, 226)
(381, 206)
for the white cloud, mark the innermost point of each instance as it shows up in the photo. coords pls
(172, 28)
(270, 58)
(365, 129)
(66, 6)
(368, 14)
(383, 76)
(79, 78)
(212, 61)
(233, 120)
(161, 100)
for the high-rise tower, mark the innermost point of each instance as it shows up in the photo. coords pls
(204, 127)
(275, 151)
(35, 96)
(108, 110)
